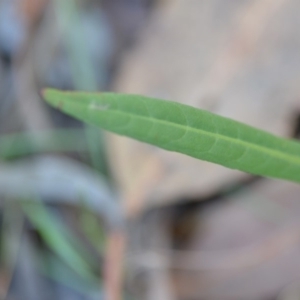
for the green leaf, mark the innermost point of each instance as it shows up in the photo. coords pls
(21, 144)
(181, 128)
(58, 238)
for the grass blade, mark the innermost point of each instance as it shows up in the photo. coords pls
(181, 128)
(55, 235)
(59, 140)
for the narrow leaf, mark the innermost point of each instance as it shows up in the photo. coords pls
(181, 128)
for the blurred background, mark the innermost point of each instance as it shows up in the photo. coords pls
(85, 214)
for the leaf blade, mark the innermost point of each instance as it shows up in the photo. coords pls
(184, 129)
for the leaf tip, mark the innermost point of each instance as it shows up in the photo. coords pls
(45, 93)
(51, 97)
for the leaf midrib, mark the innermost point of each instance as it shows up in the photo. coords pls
(276, 153)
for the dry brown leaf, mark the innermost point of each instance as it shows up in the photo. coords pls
(239, 59)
